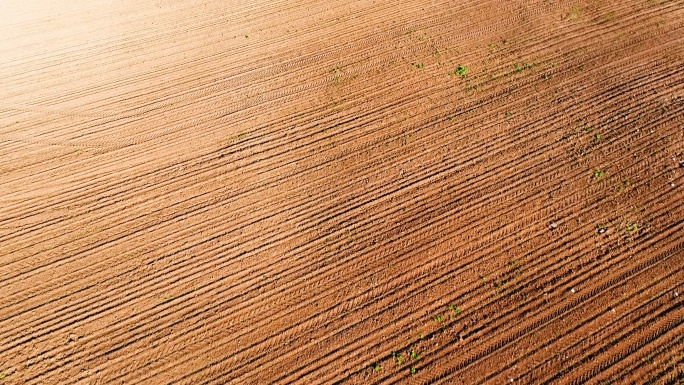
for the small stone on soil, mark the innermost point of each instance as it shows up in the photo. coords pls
(572, 290)
(602, 230)
(554, 225)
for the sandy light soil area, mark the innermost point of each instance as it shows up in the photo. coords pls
(342, 191)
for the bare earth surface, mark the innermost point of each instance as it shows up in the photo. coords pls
(260, 192)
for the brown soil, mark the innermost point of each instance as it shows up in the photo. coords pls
(309, 191)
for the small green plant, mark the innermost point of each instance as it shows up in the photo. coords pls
(420, 66)
(398, 357)
(625, 185)
(422, 336)
(508, 114)
(413, 370)
(461, 70)
(456, 310)
(599, 174)
(3, 375)
(519, 68)
(414, 355)
(378, 368)
(439, 319)
(632, 227)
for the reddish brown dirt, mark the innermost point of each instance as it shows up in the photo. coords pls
(307, 191)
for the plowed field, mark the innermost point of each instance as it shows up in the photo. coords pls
(342, 191)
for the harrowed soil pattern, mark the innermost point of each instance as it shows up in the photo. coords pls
(342, 192)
